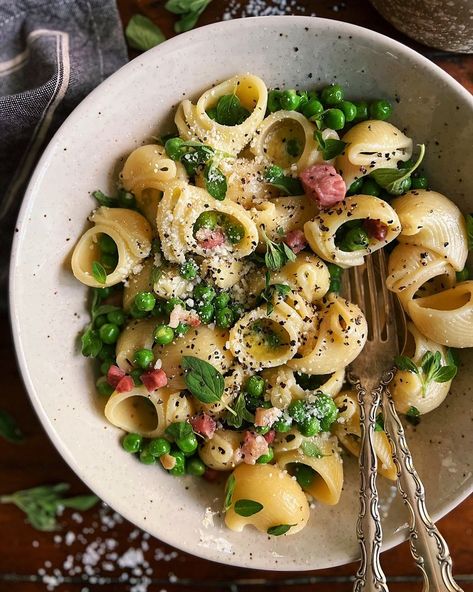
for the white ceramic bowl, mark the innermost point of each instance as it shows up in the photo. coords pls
(48, 305)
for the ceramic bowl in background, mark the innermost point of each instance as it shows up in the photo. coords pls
(49, 306)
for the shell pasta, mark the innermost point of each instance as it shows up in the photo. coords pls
(218, 320)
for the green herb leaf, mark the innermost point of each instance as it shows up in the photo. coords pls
(105, 200)
(215, 182)
(413, 416)
(288, 252)
(91, 344)
(330, 148)
(178, 430)
(42, 504)
(247, 507)
(156, 273)
(279, 529)
(203, 380)
(229, 489)
(469, 230)
(142, 34)
(104, 309)
(9, 429)
(275, 176)
(379, 425)
(392, 179)
(195, 157)
(190, 9)
(452, 358)
(267, 295)
(311, 449)
(239, 413)
(99, 273)
(230, 111)
(405, 363)
(277, 254)
(444, 374)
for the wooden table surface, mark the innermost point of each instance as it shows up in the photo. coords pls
(98, 550)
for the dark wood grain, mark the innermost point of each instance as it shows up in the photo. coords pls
(28, 559)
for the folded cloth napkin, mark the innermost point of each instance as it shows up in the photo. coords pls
(52, 54)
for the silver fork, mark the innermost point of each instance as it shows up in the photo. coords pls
(371, 374)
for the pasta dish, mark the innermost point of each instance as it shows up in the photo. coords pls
(217, 317)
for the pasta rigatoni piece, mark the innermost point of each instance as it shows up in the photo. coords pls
(193, 122)
(372, 145)
(262, 341)
(432, 221)
(282, 499)
(169, 283)
(319, 453)
(446, 317)
(348, 431)
(138, 282)
(416, 271)
(148, 414)
(131, 233)
(223, 272)
(321, 232)
(219, 453)
(281, 215)
(337, 340)
(286, 139)
(201, 342)
(137, 334)
(406, 388)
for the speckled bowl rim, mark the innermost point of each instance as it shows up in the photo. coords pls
(232, 26)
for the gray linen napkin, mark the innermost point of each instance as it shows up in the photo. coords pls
(52, 54)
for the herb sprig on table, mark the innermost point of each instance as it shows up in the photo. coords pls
(188, 10)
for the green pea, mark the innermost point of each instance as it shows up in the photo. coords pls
(222, 300)
(274, 102)
(206, 220)
(206, 313)
(136, 375)
(117, 317)
(107, 244)
(355, 240)
(143, 358)
(103, 292)
(283, 425)
(159, 446)
(304, 475)
(309, 427)
(126, 199)
(233, 231)
(109, 333)
(189, 269)
(303, 99)
(380, 109)
(145, 301)
(107, 353)
(187, 444)
(163, 335)
(404, 187)
(137, 314)
(334, 119)
(173, 148)
(266, 458)
(109, 261)
(297, 411)
(255, 386)
(172, 303)
(420, 182)
(370, 187)
(313, 108)
(224, 318)
(132, 443)
(355, 187)
(332, 95)
(146, 457)
(100, 320)
(105, 366)
(262, 430)
(180, 466)
(361, 110)
(103, 388)
(349, 110)
(203, 294)
(405, 164)
(462, 275)
(289, 100)
(181, 329)
(195, 467)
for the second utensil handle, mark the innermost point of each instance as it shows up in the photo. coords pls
(429, 549)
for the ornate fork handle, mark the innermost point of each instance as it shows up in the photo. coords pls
(370, 576)
(429, 549)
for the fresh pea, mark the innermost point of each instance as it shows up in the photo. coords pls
(195, 467)
(105, 366)
(206, 313)
(180, 466)
(222, 300)
(143, 358)
(187, 444)
(137, 314)
(146, 457)
(181, 329)
(404, 187)
(136, 375)
(361, 110)
(380, 109)
(355, 240)
(283, 425)
(203, 293)
(233, 231)
(173, 148)
(172, 303)
(163, 335)
(266, 458)
(274, 102)
(370, 187)
(206, 220)
(255, 386)
(297, 411)
(332, 95)
(262, 430)
(145, 301)
(419, 182)
(117, 317)
(100, 320)
(189, 270)
(289, 100)
(349, 110)
(132, 443)
(313, 108)
(224, 318)
(109, 333)
(103, 388)
(159, 446)
(309, 427)
(334, 119)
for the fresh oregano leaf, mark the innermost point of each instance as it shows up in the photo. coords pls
(99, 273)
(105, 200)
(330, 147)
(444, 374)
(215, 182)
(230, 111)
(91, 344)
(392, 179)
(9, 428)
(229, 489)
(405, 363)
(142, 34)
(178, 430)
(203, 380)
(79, 502)
(279, 529)
(247, 507)
(275, 176)
(413, 416)
(190, 11)
(240, 413)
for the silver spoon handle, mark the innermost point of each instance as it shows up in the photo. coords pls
(370, 576)
(429, 549)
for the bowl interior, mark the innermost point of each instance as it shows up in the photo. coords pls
(48, 305)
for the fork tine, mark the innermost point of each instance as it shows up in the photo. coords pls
(388, 299)
(357, 287)
(373, 298)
